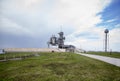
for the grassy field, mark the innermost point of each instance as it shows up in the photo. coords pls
(112, 54)
(58, 67)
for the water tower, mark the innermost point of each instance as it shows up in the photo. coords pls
(106, 39)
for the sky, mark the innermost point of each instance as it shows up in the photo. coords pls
(30, 23)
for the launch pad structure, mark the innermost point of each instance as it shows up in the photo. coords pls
(59, 41)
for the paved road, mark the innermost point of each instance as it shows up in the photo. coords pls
(114, 61)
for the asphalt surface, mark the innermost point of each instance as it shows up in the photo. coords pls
(110, 60)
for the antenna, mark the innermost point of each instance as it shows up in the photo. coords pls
(103, 44)
(61, 28)
(108, 43)
(48, 44)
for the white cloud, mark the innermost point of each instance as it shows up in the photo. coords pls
(112, 20)
(115, 36)
(81, 14)
(91, 39)
(9, 26)
(39, 17)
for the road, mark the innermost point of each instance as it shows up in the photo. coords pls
(110, 60)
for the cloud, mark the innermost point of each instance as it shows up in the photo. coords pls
(42, 18)
(81, 14)
(88, 40)
(112, 20)
(78, 12)
(114, 35)
(9, 26)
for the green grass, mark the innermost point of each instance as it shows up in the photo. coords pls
(58, 67)
(112, 54)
